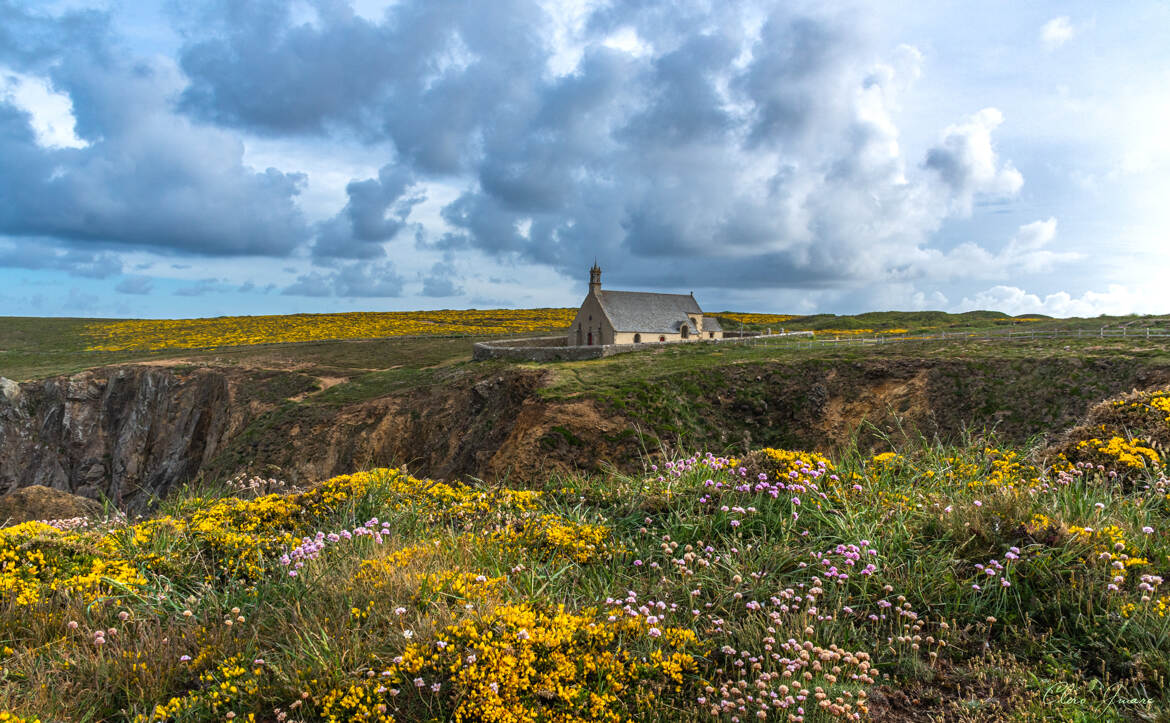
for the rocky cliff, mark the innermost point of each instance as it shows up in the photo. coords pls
(125, 433)
(131, 433)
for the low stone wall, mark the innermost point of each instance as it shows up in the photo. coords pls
(547, 348)
(552, 348)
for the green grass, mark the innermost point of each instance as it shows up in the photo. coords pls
(1055, 643)
(782, 394)
(935, 321)
(34, 348)
(573, 378)
(28, 354)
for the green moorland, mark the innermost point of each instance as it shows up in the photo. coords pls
(34, 347)
(967, 582)
(26, 355)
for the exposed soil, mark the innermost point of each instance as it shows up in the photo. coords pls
(131, 433)
(44, 503)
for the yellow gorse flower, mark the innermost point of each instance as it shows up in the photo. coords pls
(146, 334)
(524, 663)
(1131, 454)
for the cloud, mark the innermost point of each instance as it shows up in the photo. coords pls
(43, 254)
(51, 113)
(718, 145)
(1056, 32)
(80, 302)
(966, 160)
(441, 281)
(422, 76)
(1025, 252)
(353, 280)
(145, 177)
(1117, 300)
(202, 287)
(376, 211)
(140, 285)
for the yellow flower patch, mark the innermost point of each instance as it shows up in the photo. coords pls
(228, 685)
(781, 462)
(555, 537)
(521, 663)
(145, 334)
(757, 318)
(38, 561)
(1130, 454)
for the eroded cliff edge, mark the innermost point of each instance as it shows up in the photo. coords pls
(131, 433)
(123, 433)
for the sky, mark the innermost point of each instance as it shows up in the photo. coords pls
(208, 158)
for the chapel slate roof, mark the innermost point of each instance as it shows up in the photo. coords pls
(646, 312)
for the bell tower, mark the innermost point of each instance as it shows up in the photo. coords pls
(595, 278)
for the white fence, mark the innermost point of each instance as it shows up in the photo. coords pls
(788, 339)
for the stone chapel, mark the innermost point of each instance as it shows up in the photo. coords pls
(638, 317)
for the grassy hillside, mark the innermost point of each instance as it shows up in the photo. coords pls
(959, 582)
(927, 321)
(34, 348)
(345, 344)
(345, 359)
(973, 580)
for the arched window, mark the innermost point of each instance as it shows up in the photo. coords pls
(637, 338)
(695, 323)
(686, 332)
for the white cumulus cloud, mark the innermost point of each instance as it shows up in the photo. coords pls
(966, 160)
(50, 112)
(1056, 32)
(1116, 300)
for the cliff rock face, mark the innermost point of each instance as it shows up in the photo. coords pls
(125, 433)
(132, 433)
(492, 426)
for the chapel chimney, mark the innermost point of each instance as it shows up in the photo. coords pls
(595, 278)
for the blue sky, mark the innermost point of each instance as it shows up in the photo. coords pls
(209, 158)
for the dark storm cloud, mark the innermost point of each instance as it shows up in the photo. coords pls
(741, 143)
(423, 77)
(755, 156)
(797, 77)
(441, 281)
(376, 211)
(241, 76)
(147, 178)
(29, 40)
(44, 255)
